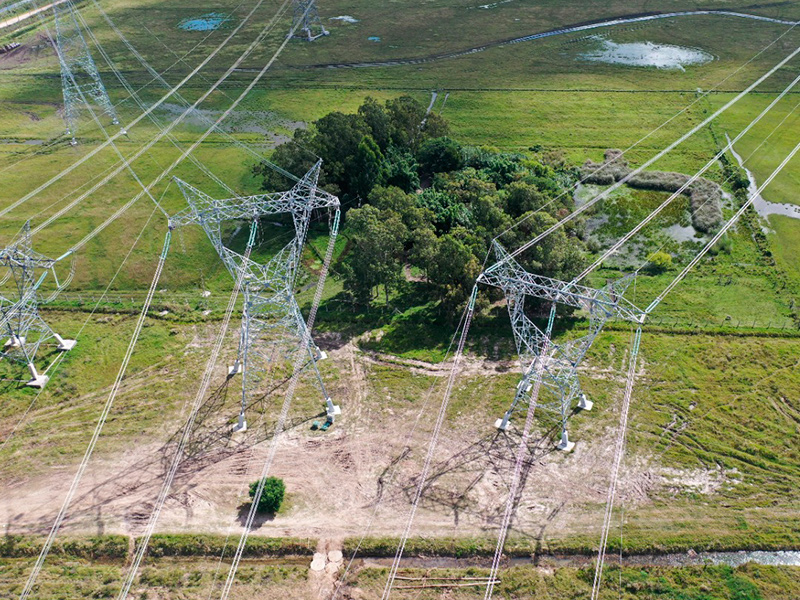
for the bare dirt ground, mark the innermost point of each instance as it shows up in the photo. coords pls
(38, 46)
(356, 479)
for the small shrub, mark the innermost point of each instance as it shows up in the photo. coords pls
(659, 262)
(271, 496)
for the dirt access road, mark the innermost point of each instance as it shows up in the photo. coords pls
(27, 15)
(356, 479)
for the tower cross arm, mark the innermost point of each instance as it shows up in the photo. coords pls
(34, 260)
(304, 197)
(563, 292)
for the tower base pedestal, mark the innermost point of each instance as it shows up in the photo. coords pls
(234, 369)
(332, 410)
(14, 342)
(241, 425)
(66, 345)
(565, 445)
(38, 382)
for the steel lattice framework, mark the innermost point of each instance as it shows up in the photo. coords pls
(306, 23)
(80, 80)
(20, 317)
(555, 362)
(271, 314)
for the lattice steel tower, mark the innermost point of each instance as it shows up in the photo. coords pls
(271, 314)
(20, 319)
(80, 80)
(306, 23)
(556, 363)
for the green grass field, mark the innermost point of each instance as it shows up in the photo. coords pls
(717, 393)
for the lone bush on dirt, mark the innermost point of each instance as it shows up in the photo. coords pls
(272, 495)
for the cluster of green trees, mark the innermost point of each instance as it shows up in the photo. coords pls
(420, 205)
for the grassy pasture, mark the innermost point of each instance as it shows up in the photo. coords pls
(551, 102)
(705, 403)
(165, 578)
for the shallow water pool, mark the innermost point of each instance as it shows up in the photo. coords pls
(208, 22)
(647, 54)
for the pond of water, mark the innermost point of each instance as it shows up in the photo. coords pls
(647, 54)
(207, 22)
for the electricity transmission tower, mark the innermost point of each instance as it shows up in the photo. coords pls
(306, 23)
(555, 363)
(271, 314)
(20, 316)
(80, 79)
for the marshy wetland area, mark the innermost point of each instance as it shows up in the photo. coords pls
(582, 216)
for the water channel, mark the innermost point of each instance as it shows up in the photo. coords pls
(734, 559)
(764, 207)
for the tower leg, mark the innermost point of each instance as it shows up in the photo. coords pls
(584, 403)
(241, 424)
(238, 364)
(503, 424)
(235, 368)
(37, 381)
(64, 345)
(565, 445)
(332, 410)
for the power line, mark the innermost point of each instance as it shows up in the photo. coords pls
(653, 131)
(185, 153)
(619, 451)
(130, 125)
(583, 208)
(723, 230)
(185, 102)
(296, 371)
(186, 434)
(685, 186)
(423, 479)
(98, 428)
(62, 513)
(54, 367)
(180, 59)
